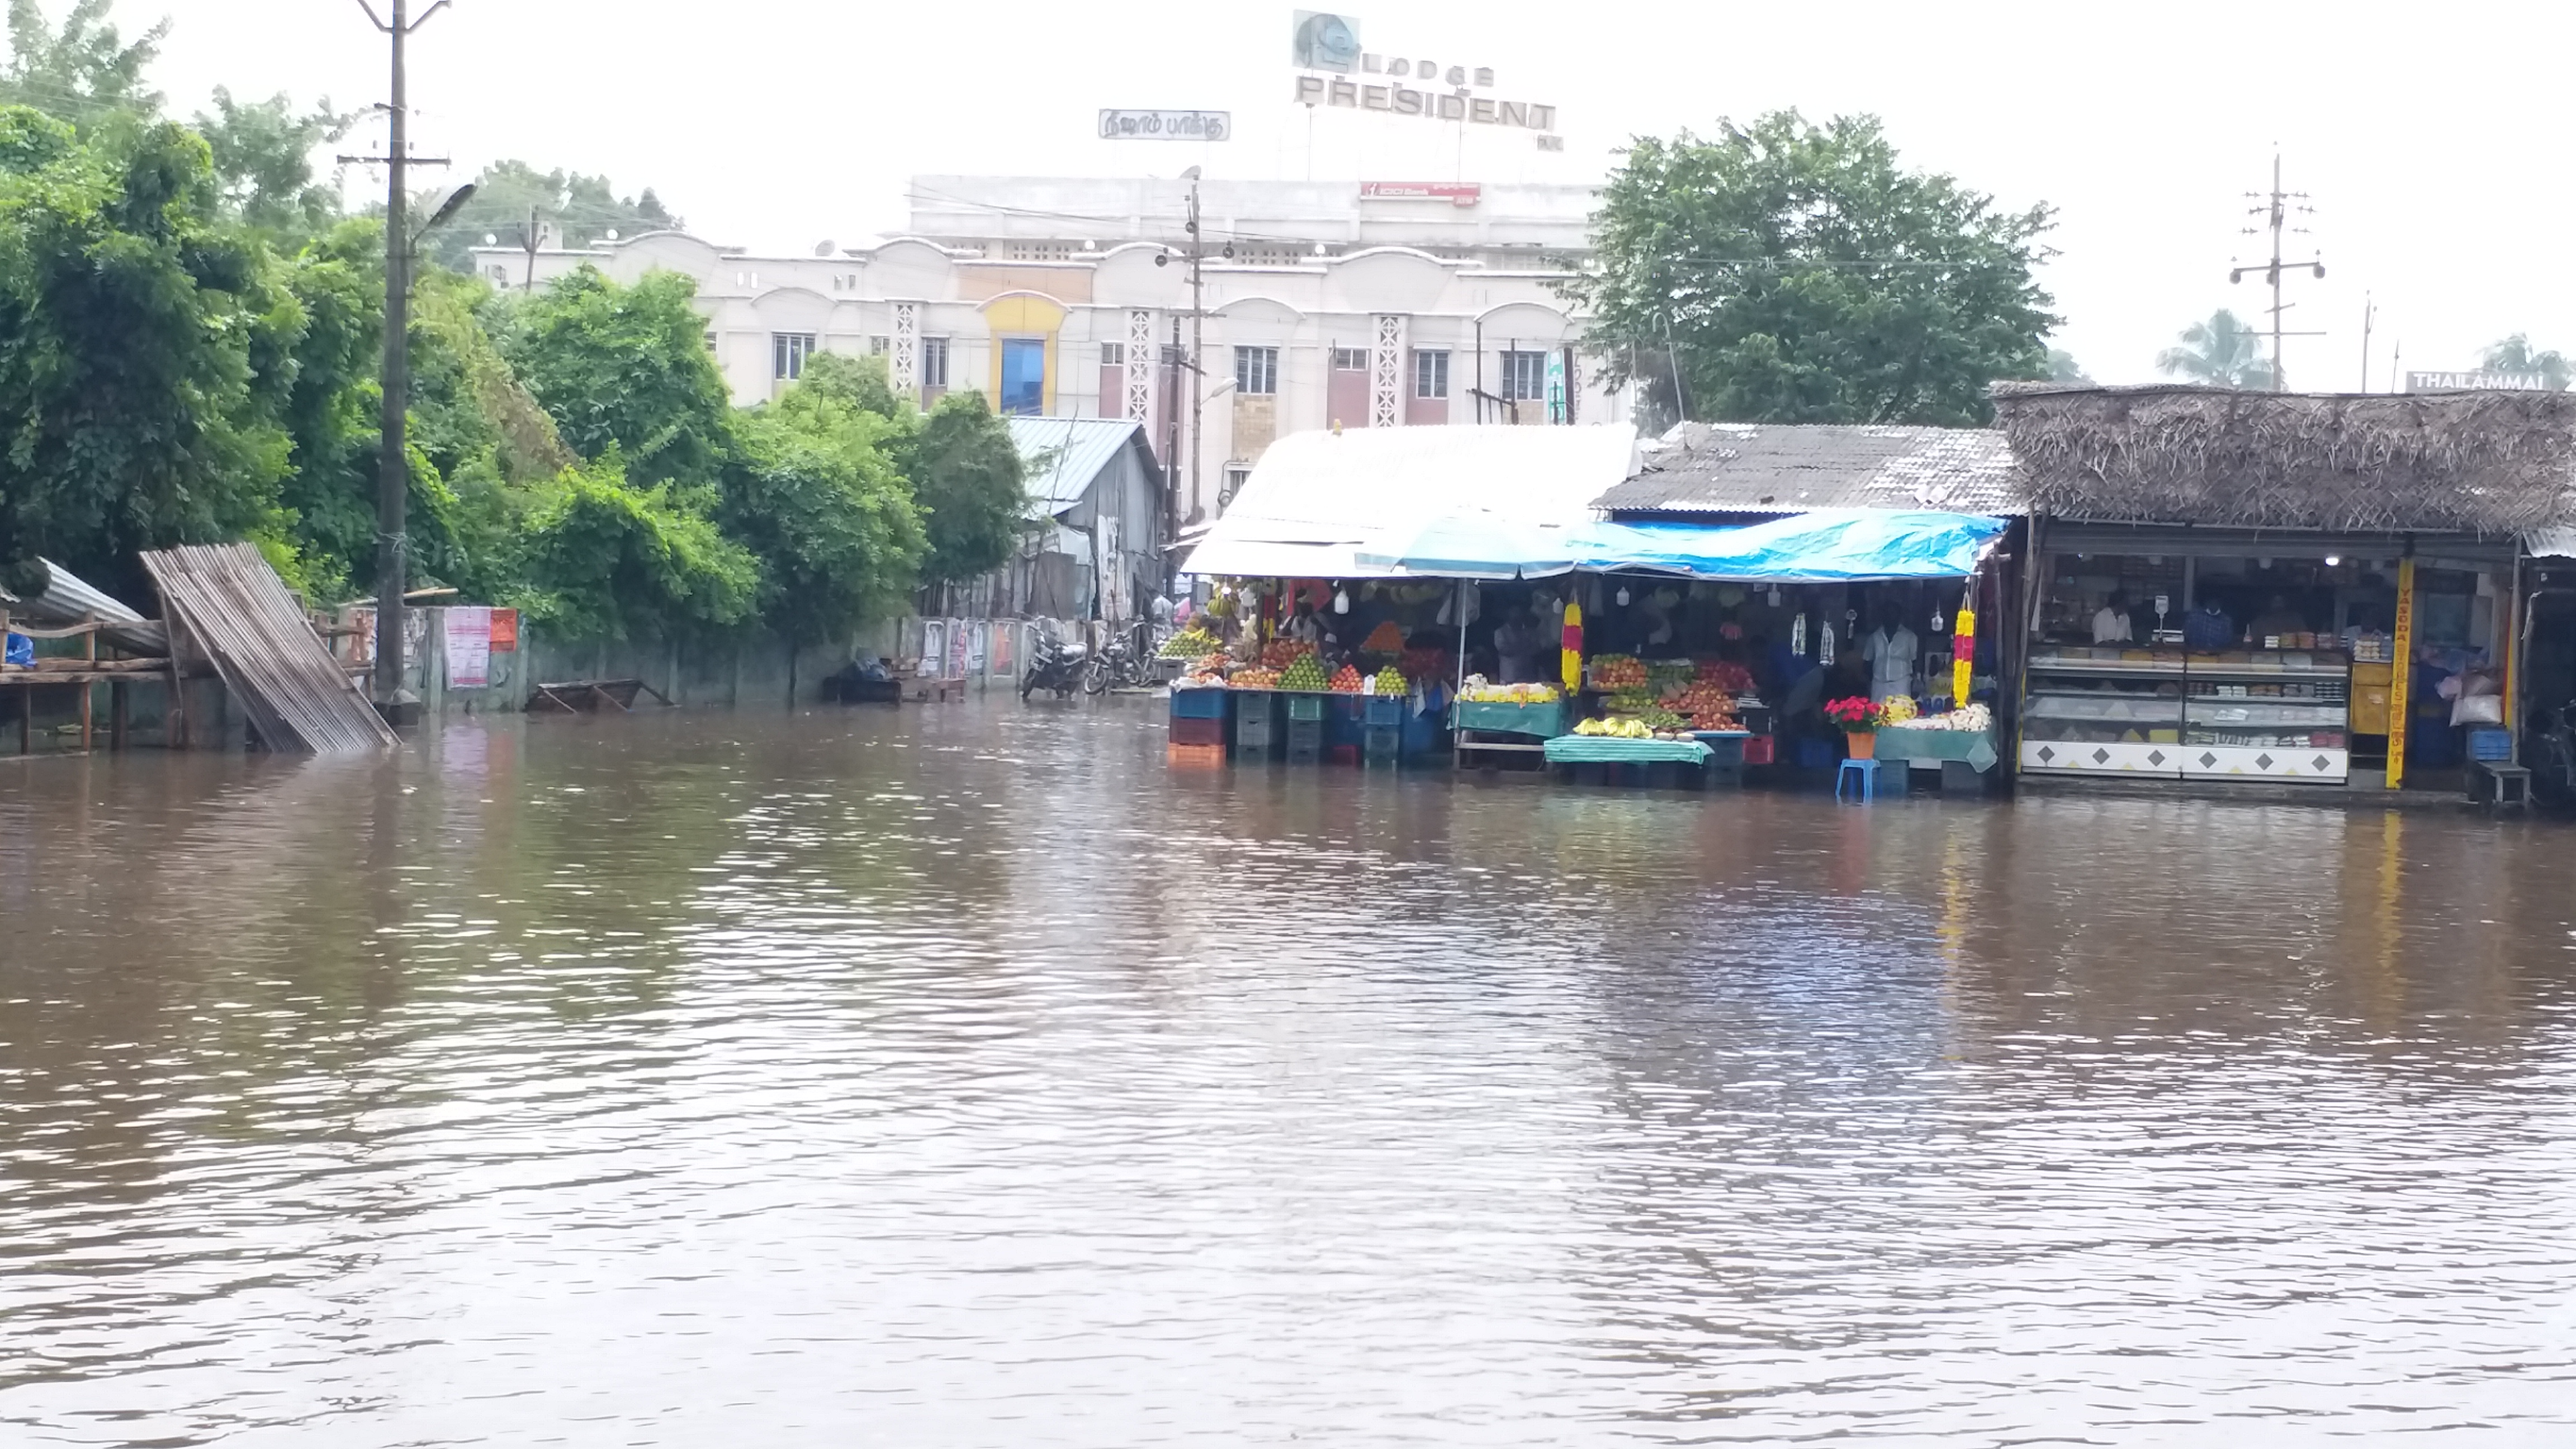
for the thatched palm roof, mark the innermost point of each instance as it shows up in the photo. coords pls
(2476, 462)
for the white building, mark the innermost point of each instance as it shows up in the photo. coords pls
(1324, 304)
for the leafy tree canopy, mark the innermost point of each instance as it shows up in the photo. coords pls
(967, 475)
(1789, 272)
(263, 158)
(2220, 352)
(2062, 367)
(2515, 354)
(625, 367)
(572, 210)
(618, 560)
(83, 71)
(145, 345)
(817, 497)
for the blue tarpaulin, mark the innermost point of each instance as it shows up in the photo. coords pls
(1839, 546)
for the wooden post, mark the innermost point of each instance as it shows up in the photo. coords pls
(27, 719)
(116, 715)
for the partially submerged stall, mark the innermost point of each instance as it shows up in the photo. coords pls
(1499, 564)
(2314, 590)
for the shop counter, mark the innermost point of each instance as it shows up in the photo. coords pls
(1546, 721)
(1898, 745)
(1603, 750)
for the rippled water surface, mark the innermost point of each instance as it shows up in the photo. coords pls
(972, 1077)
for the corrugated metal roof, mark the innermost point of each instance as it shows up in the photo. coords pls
(1064, 455)
(2557, 542)
(1780, 468)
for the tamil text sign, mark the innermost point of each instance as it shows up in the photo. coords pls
(1166, 125)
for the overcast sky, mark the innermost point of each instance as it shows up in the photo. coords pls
(2430, 137)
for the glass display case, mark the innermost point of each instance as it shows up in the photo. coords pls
(2104, 712)
(2269, 714)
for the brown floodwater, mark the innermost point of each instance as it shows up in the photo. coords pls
(972, 1077)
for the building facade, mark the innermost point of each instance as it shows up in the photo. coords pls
(1320, 305)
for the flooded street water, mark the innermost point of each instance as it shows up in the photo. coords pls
(970, 1077)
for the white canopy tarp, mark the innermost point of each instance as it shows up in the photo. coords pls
(1319, 501)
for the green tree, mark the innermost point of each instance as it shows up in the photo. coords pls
(2220, 352)
(2514, 354)
(816, 496)
(1801, 274)
(144, 344)
(969, 481)
(608, 558)
(263, 157)
(625, 367)
(863, 383)
(572, 210)
(83, 71)
(2062, 367)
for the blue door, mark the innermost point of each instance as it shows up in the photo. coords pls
(1024, 375)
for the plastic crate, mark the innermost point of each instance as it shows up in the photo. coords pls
(1303, 706)
(1383, 746)
(1343, 755)
(1757, 750)
(1815, 755)
(1200, 703)
(1256, 725)
(1385, 711)
(2490, 744)
(1305, 739)
(1196, 756)
(1199, 732)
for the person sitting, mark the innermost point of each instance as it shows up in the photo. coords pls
(2208, 627)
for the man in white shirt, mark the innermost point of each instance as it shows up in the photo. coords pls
(2111, 625)
(1890, 650)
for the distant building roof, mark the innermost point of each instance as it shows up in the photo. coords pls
(1775, 469)
(1064, 455)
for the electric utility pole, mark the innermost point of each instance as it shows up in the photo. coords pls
(2276, 207)
(393, 479)
(1198, 354)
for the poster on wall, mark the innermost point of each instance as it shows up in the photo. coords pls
(934, 647)
(999, 660)
(957, 637)
(469, 646)
(505, 631)
(979, 650)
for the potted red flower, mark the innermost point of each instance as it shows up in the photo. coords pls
(1859, 719)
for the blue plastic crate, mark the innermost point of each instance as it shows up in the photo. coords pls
(1386, 711)
(1384, 746)
(2490, 744)
(1201, 703)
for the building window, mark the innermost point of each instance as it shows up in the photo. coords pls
(1113, 354)
(1525, 376)
(1431, 374)
(1350, 359)
(1023, 376)
(934, 362)
(1256, 371)
(878, 346)
(1236, 475)
(787, 353)
(711, 339)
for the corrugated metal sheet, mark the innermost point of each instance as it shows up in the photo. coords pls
(238, 612)
(1064, 455)
(2550, 543)
(1316, 499)
(1764, 468)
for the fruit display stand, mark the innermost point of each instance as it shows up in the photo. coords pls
(1396, 732)
(1489, 732)
(1595, 759)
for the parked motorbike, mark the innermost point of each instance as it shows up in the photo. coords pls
(1116, 666)
(1055, 665)
(2553, 755)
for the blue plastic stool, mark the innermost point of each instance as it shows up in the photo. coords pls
(1867, 770)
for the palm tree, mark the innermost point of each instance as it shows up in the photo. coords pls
(2222, 352)
(2514, 354)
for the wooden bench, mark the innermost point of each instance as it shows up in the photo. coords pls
(2505, 786)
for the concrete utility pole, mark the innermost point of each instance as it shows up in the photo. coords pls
(2276, 208)
(1198, 353)
(393, 476)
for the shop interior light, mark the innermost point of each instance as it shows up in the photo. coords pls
(2333, 559)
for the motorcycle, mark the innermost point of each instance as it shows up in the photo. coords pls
(2553, 754)
(1116, 666)
(1055, 665)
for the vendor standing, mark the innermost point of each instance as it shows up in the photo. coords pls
(1890, 651)
(1518, 642)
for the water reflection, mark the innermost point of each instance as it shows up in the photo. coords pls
(971, 1076)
